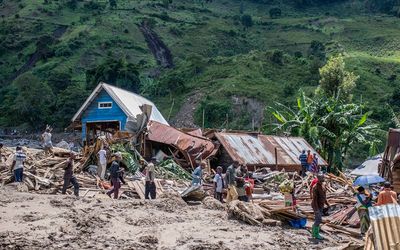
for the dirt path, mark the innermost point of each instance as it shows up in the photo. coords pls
(185, 116)
(33, 221)
(157, 46)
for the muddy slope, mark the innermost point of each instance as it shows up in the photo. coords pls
(157, 46)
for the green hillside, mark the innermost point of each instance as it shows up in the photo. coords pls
(228, 59)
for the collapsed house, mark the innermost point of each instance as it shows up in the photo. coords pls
(256, 150)
(109, 110)
(390, 166)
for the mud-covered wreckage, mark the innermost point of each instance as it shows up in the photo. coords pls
(111, 111)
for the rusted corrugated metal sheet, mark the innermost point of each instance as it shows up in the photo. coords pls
(193, 146)
(259, 150)
(385, 224)
(289, 149)
(245, 148)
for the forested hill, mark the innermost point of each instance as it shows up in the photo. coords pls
(228, 58)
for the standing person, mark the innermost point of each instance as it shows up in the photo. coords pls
(310, 160)
(150, 187)
(18, 164)
(1, 152)
(69, 176)
(364, 201)
(218, 184)
(47, 144)
(387, 196)
(115, 175)
(318, 202)
(240, 188)
(303, 162)
(230, 177)
(101, 170)
(198, 174)
(314, 164)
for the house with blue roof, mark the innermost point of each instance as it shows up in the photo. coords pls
(109, 109)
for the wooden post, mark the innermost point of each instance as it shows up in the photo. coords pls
(203, 119)
(170, 110)
(276, 159)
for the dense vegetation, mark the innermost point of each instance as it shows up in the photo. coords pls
(231, 54)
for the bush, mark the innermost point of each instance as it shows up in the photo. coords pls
(275, 13)
(247, 21)
(215, 112)
(277, 57)
(63, 51)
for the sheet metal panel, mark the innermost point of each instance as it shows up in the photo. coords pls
(246, 149)
(385, 224)
(256, 149)
(165, 134)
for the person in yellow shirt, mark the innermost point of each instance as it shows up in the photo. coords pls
(387, 196)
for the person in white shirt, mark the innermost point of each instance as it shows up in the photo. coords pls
(47, 144)
(18, 164)
(150, 187)
(218, 184)
(101, 170)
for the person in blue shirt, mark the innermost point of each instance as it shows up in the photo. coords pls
(303, 162)
(198, 174)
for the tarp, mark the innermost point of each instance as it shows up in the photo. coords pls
(369, 167)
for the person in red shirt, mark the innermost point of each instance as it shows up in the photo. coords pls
(310, 160)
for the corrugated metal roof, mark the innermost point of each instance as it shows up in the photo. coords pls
(256, 149)
(385, 223)
(129, 102)
(193, 145)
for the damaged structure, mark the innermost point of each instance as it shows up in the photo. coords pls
(111, 109)
(390, 166)
(256, 150)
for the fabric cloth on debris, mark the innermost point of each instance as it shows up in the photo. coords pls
(219, 183)
(19, 159)
(150, 172)
(18, 174)
(150, 190)
(70, 180)
(197, 174)
(47, 140)
(387, 196)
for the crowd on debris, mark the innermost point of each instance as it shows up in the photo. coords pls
(262, 197)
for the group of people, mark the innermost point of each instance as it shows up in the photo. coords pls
(365, 200)
(309, 162)
(237, 181)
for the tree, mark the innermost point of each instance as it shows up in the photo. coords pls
(335, 81)
(116, 72)
(113, 4)
(247, 21)
(275, 12)
(33, 101)
(329, 124)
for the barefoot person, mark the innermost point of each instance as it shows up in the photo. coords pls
(101, 170)
(18, 164)
(150, 188)
(69, 177)
(218, 184)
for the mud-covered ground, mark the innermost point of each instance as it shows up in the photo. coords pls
(35, 221)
